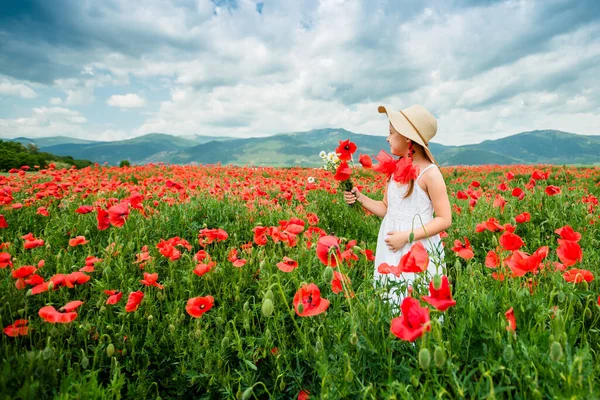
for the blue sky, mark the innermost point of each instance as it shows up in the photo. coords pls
(116, 69)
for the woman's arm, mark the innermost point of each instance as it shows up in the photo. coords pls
(377, 207)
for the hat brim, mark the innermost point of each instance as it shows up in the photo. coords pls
(405, 128)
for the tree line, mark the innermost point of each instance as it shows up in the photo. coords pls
(16, 155)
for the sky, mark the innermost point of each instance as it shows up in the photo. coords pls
(117, 69)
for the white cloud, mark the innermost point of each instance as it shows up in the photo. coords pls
(129, 100)
(8, 88)
(43, 122)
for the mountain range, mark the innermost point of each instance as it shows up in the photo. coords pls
(302, 148)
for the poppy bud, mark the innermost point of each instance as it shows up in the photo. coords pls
(29, 293)
(102, 309)
(31, 355)
(411, 237)
(300, 308)
(353, 338)
(508, 353)
(269, 294)
(457, 264)
(247, 393)
(267, 308)
(225, 342)
(172, 328)
(414, 380)
(357, 248)
(494, 241)
(437, 282)
(150, 317)
(110, 349)
(50, 286)
(371, 307)
(47, 352)
(327, 275)
(318, 346)
(439, 357)
(588, 313)
(267, 334)
(349, 375)
(561, 297)
(513, 221)
(282, 385)
(85, 362)
(197, 333)
(424, 358)
(262, 263)
(556, 351)
(246, 306)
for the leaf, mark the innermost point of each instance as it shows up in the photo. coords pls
(251, 365)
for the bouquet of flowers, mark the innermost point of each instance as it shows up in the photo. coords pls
(340, 162)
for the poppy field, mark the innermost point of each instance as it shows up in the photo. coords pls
(166, 281)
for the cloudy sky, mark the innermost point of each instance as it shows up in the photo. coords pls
(116, 69)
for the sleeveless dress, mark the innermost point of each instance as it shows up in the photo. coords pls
(399, 217)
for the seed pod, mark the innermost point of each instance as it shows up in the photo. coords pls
(267, 308)
(327, 275)
(110, 349)
(300, 308)
(556, 351)
(439, 357)
(508, 353)
(424, 358)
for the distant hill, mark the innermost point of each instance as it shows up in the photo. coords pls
(302, 149)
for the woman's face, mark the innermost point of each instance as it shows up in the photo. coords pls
(398, 143)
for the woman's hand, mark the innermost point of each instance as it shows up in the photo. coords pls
(396, 240)
(352, 196)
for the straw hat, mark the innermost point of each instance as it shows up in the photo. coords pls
(414, 122)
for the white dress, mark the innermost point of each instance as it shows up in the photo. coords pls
(399, 217)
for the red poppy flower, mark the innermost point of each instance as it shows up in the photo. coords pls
(103, 219)
(42, 211)
(440, 298)
(387, 163)
(5, 260)
(78, 241)
(512, 322)
(150, 280)
(71, 306)
(196, 306)
(343, 172)
(287, 265)
(308, 301)
(17, 328)
(578, 275)
(117, 215)
(3, 224)
(84, 209)
(518, 193)
(413, 321)
(416, 260)
(567, 233)
(520, 262)
(203, 268)
(303, 395)
(134, 300)
(337, 283)
(365, 161)
(523, 217)
(327, 249)
(552, 190)
(405, 171)
(464, 251)
(345, 150)
(492, 260)
(49, 314)
(114, 296)
(510, 241)
(569, 252)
